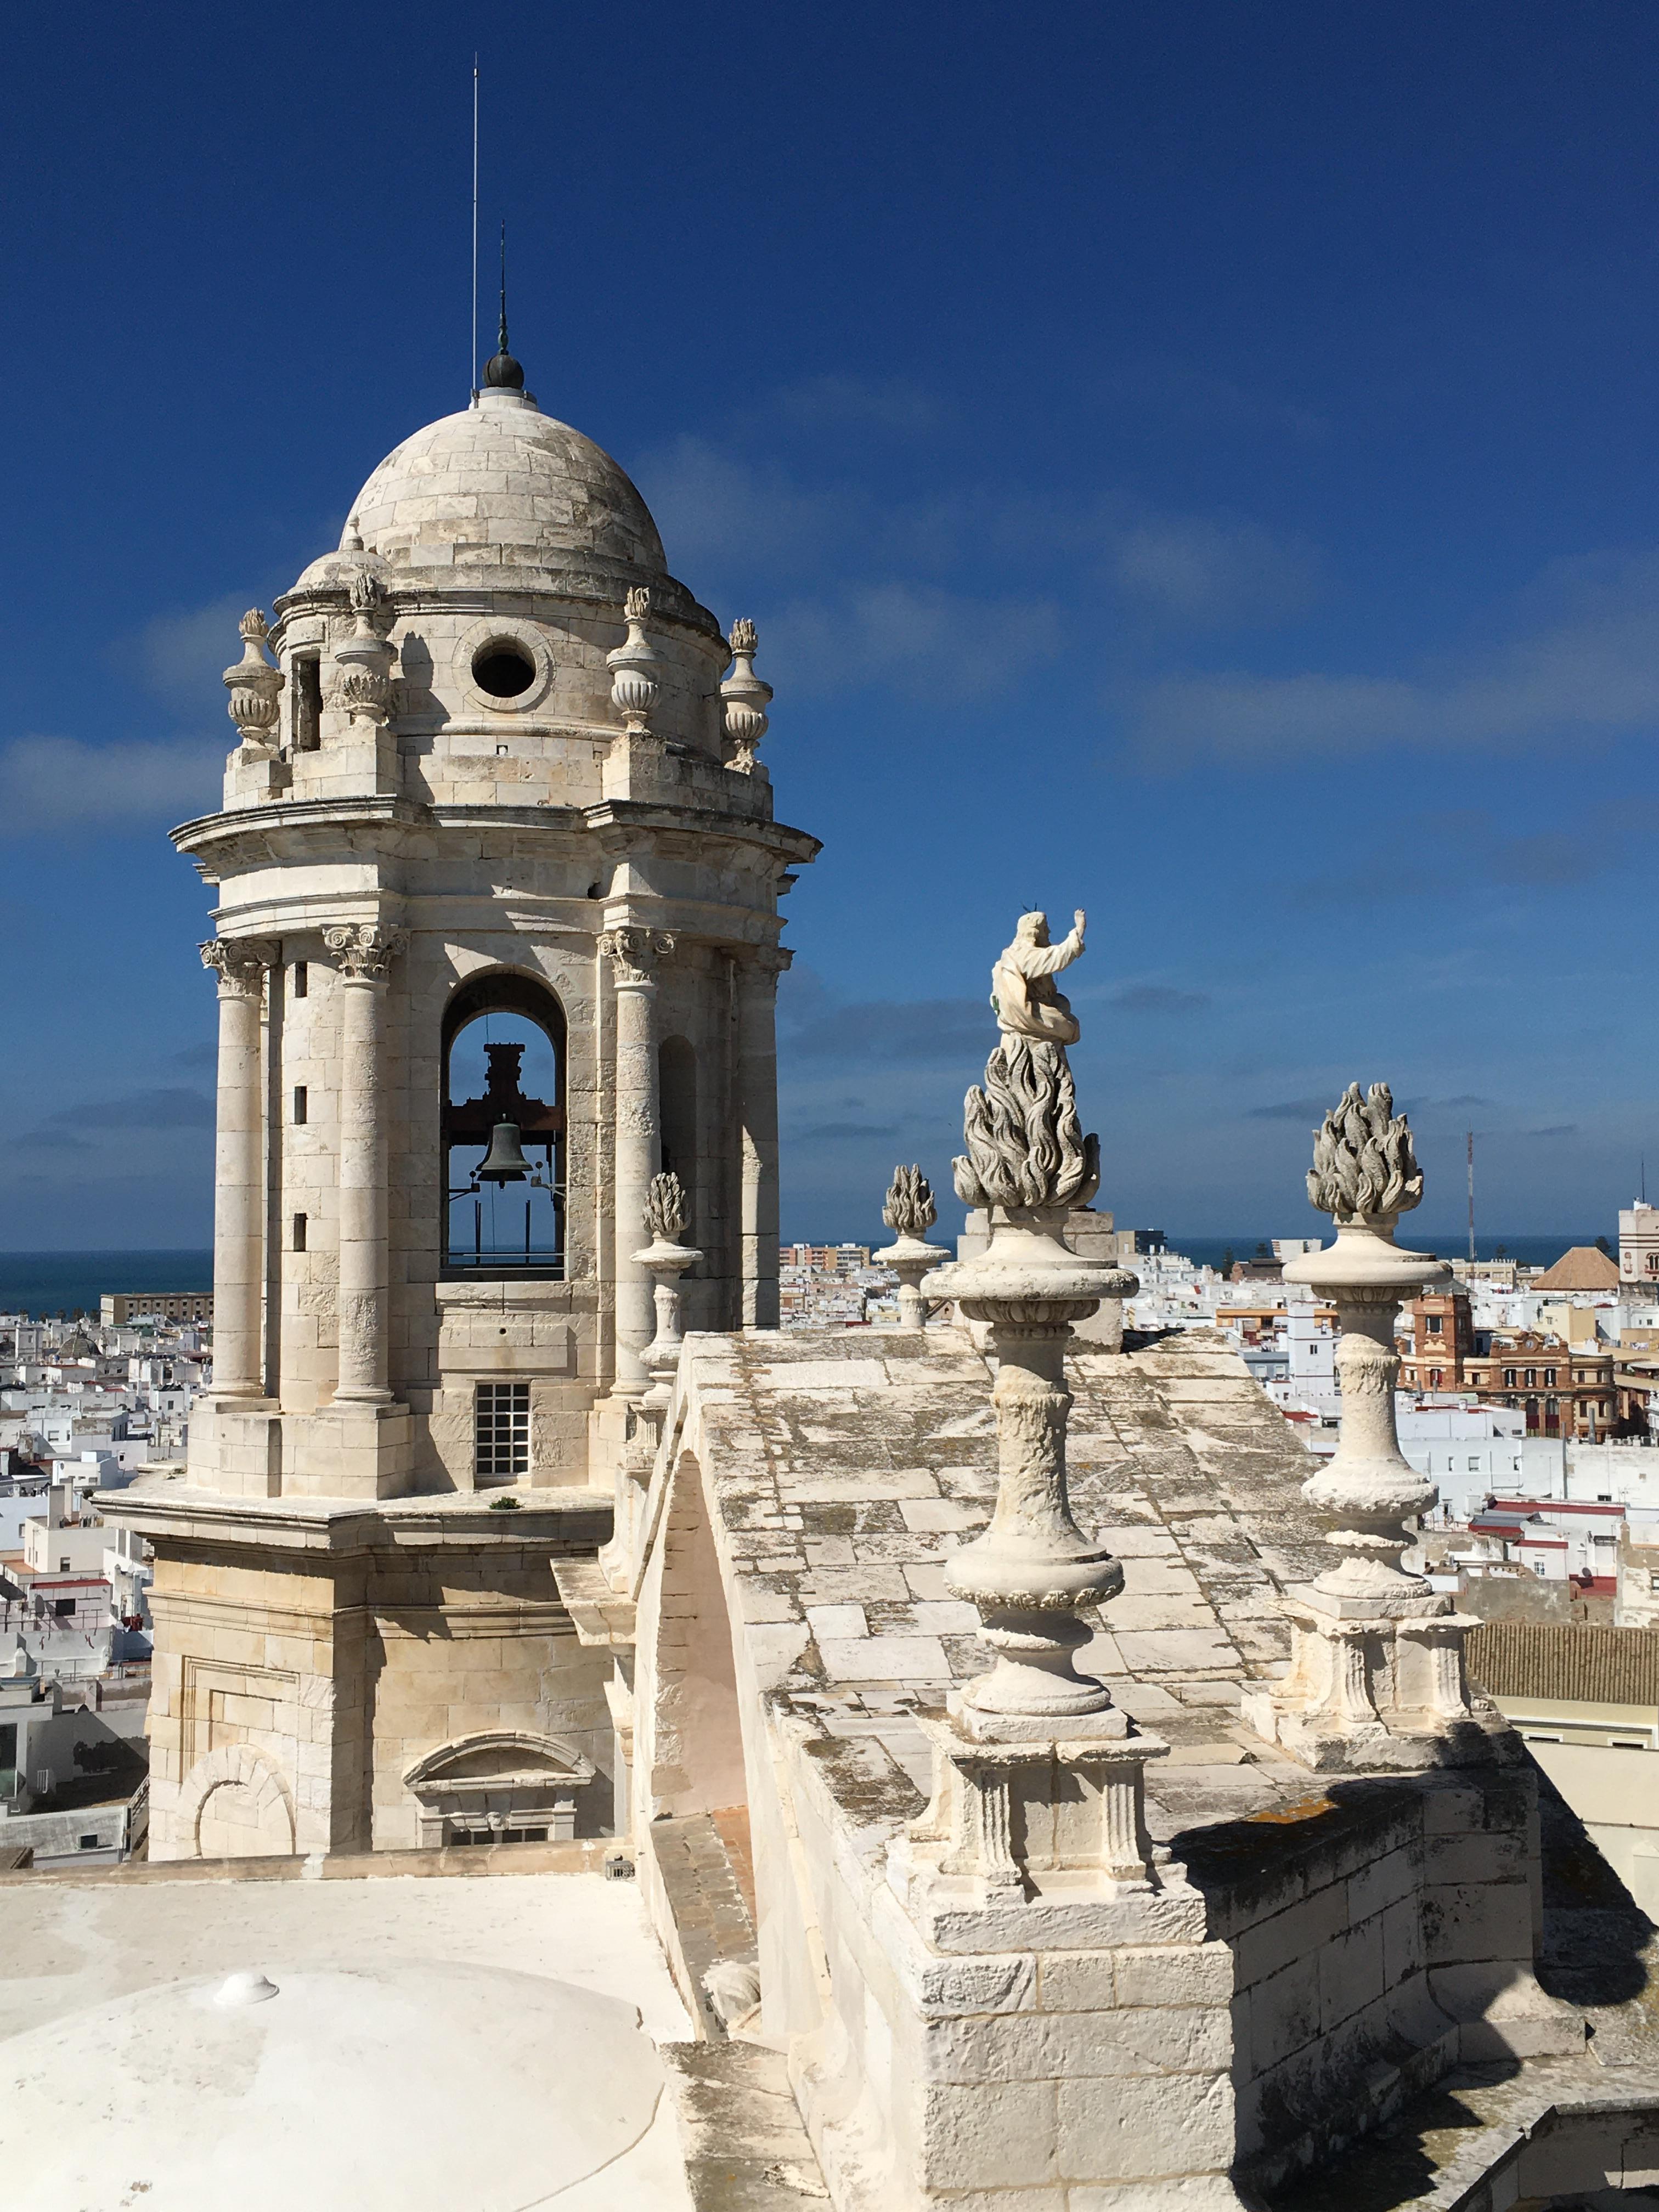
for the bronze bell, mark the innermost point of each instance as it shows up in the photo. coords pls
(505, 1161)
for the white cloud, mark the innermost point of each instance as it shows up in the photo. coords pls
(1179, 392)
(59, 783)
(886, 402)
(1590, 671)
(937, 646)
(1209, 571)
(754, 520)
(712, 508)
(182, 657)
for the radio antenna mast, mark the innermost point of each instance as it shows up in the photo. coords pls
(475, 226)
(1471, 1197)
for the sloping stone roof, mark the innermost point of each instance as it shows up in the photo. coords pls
(1582, 1268)
(845, 1467)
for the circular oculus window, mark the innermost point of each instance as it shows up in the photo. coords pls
(503, 669)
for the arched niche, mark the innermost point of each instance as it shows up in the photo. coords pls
(676, 1088)
(235, 1804)
(503, 1059)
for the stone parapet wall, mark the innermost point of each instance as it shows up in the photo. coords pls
(1308, 1956)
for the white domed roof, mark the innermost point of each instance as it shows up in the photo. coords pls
(502, 483)
(377, 2087)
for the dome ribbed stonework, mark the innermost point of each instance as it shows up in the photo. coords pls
(502, 484)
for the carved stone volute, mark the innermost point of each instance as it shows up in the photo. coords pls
(239, 965)
(634, 954)
(365, 950)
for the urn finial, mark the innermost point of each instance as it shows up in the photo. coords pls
(363, 661)
(666, 1209)
(254, 685)
(746, 696)
(633, 666)
(1364, 1167)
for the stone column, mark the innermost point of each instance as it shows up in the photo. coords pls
(634, 954)
(757, 1090)
(365, 952)
(239, 1168)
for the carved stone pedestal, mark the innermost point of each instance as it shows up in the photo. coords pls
(1377, 1678)
(1038, 1776)
(664, 1260)
(1021, 1815)
(1370, 1693)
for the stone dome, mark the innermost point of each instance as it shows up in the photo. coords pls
(502, 484)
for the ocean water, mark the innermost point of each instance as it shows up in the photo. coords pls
(47, 1283)
(51, 1283)
(1450, 1244)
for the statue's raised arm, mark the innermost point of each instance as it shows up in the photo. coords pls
(1027, 1004)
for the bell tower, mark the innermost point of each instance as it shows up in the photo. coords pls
(495, 942)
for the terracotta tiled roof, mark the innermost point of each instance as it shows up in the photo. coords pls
(1582, 1268)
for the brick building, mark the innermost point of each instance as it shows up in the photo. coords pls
(1564, 1390)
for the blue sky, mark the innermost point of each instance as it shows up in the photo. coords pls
(1195, 463)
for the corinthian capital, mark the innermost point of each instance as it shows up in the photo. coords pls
(767, 962)
(365, 950)
(240, 963)
(633, 953)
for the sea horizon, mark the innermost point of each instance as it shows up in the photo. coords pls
(45, 1284)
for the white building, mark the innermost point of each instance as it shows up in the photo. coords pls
(1639, 1242)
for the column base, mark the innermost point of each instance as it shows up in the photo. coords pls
(236, 1447)
(353, 1451)
(1026, 1815)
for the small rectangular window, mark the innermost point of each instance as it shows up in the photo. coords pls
(501, 1431)
(63, 1608)
(299, 1105)
(307, 703)
(301, 979)
(299, 1232)
(89, 1843)
(1432, 1322)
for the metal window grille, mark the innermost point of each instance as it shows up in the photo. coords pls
(501, 1431)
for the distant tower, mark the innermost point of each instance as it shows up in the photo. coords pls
(496, 941)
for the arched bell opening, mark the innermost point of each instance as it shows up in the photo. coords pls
(503, 1129)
